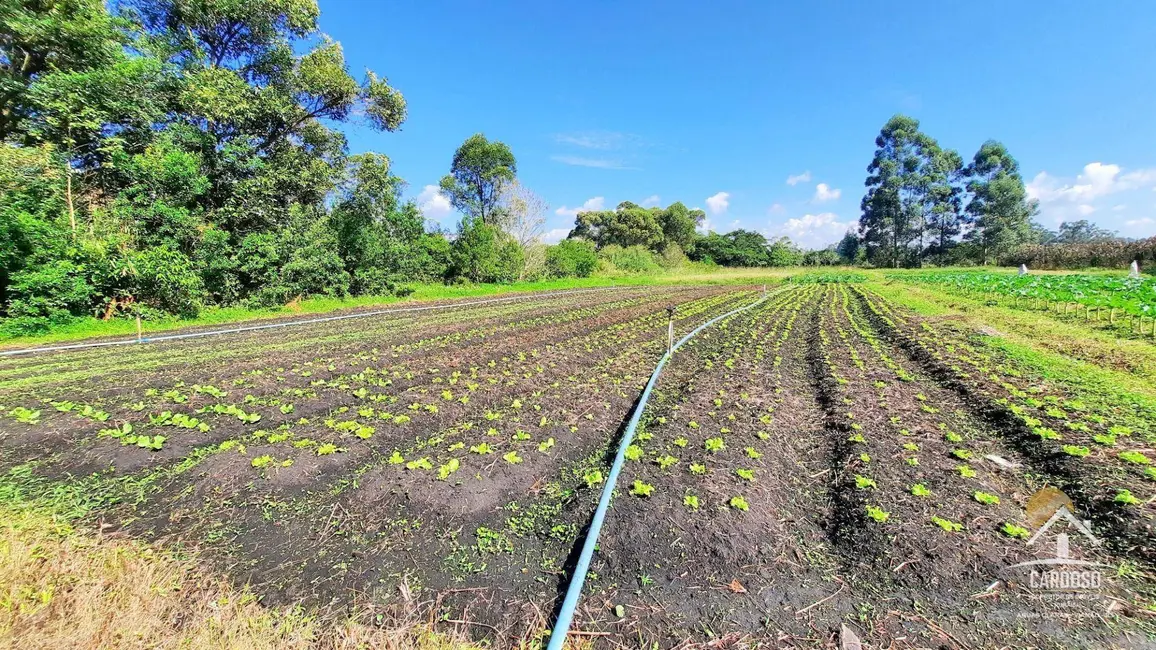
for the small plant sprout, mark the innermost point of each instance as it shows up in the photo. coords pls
(261, 461)
(864, 483)
(1150, 472)
(920, 490)
(593, 478)
(962, 454)
(878, 514)
(1106, 439)
(946, 524)
(865, 457)
(641, 489)
(327, 448)
(986, 498)
(753, 453)
(714, 445)
(951, 436)
(739, 503)
(1126, 497)
(1135, 457)
(545, 445)
(965, 471)
(512, 458)
(1047, 434)
(698, 469)
(1076, 450)
(481, 449)
(680, 441)
(746, 474)
(666, 461)
(1014, 531)
(690, 501)
(449, 468)
(633, 452)
(25, 416)
(421, 463)
(396, 458)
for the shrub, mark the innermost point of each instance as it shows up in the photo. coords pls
(167, 280)
(632, 259)
(49, 293)
(482, 253)
(571, 258)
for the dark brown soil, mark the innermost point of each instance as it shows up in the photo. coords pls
(454, 456)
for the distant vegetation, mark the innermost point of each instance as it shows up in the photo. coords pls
(166, 155)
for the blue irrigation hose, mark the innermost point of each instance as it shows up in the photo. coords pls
(574, 591)
(252, 328)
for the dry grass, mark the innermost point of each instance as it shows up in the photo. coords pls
(67, 588)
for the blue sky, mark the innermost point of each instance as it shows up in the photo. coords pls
(764, 114)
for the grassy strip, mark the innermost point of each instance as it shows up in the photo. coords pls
(121, 327)
(64, 586)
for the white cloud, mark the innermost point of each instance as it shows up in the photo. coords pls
(600, 163)
(718, 203)
(651, 200)
(556, 235)
(776, 208)
(433, 204)
(814, 230)
(1097, 179)
(824, 192)
(597, 139)
(590, 205)
(1066, 199)
(795, 179)
(1139, 223)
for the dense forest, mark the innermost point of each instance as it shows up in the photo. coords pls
(165, 155)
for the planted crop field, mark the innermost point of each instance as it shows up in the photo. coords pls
(1115, 301)
(824, 465)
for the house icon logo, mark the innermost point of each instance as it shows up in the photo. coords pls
(1051, 512)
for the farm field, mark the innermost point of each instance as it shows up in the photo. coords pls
(828, 457)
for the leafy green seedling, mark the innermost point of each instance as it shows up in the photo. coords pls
(512, 458)
(746, 474)
(986, 498)
(715, 445)
(680, 441)
(1126, 497)
(545, 445)
(863, 482)
(1078, 451)
(449, 468)
(593, 478)
(261, 461)
(965, 471)
(666, 461)
(739, 503)
(878, 514)
(1014, 531)
(697, 468)
(633, 452)
(1135, 457)
(482, 449)
(690, 501)
(641, 489)
(920, 490)
(421, 463)
(946, 524)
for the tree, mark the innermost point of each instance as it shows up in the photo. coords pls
(679, 225)
(627, 225)
(906, 165)
(522, 213)
(479, 172)
(999, 211)
(849, 248)
(40, 37)
(943, 203)
(1082, 232)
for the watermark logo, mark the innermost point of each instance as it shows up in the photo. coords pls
(1052, 514)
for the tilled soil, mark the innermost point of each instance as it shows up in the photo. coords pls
(822, 460)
